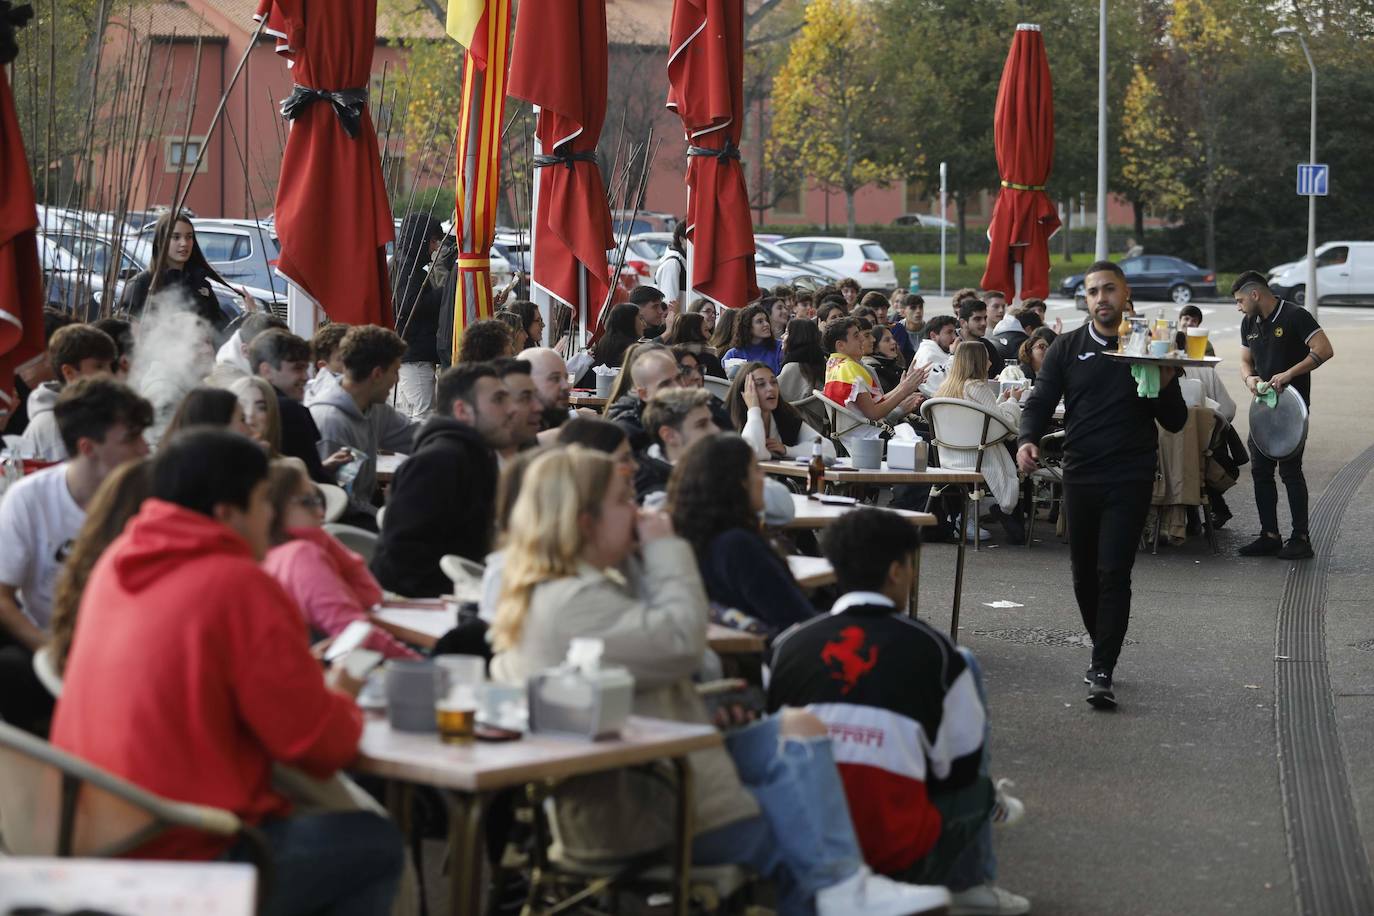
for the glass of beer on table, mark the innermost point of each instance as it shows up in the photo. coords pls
(456, 710)
(1197, 343)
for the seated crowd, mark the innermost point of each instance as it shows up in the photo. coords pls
(184, 538)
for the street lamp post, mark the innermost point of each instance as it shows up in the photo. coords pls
(1311, 293)
(1101, 246)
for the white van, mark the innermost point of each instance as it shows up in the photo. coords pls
(1345, 275)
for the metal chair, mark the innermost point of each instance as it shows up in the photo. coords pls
(55, 804)
(1047, 481)
(841, 420)
(814, 413)
(961, 426)
(46, 671)
(719, 387)
(361, 542)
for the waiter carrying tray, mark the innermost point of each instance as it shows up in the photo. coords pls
(1280, 345)
(1110, 454)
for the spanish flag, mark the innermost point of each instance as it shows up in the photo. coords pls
(483, 27)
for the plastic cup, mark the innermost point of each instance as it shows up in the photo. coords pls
(1159, 348)
(1197, 343)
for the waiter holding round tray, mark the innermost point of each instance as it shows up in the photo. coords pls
(1281, 344)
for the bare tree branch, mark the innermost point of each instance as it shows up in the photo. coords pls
(759, 14)
(785, 34)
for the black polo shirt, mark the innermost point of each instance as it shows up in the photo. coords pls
(1280, 342)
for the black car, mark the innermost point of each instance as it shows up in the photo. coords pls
(1154, 277)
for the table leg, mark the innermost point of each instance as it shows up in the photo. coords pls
(682, 860)
(465, 850)
(959, 533)
(914, 599)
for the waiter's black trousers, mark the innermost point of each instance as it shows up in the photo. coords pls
(1104, 523)
(1267, 492)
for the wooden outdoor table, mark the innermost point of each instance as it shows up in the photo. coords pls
(811, 572)
(387, 465)
(586, 400)
(729, 641)
(889, 477)
(127, 886)
(471, 773)
(812, 513)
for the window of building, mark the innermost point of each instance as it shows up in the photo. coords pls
(181, 153)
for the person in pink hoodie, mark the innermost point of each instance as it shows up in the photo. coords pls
(191, 675)
(331, 583)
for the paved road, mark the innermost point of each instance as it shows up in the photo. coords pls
(1172, 806)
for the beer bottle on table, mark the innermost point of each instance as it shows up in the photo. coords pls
(815, 471)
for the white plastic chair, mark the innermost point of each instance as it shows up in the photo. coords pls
(361, 542)
(719, 387)
(963, 426)
(46, 671)
(841, 420)
(466, 576)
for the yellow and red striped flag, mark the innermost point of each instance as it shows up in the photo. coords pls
(483, 27)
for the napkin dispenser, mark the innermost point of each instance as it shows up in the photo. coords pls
(906, 452)
(579, 698)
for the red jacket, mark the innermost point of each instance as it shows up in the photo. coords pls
(191, 674)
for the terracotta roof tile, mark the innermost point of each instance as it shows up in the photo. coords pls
(170, 18)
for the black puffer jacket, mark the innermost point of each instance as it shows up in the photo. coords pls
(628, 413)
(442, 501)
(192, 282)
(417, 293)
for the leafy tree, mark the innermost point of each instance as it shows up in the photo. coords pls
(832, 113)
(942, 63)
(1151, 173)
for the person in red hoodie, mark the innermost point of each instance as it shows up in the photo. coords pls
(192, 675)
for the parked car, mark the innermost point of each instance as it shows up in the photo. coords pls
(863, 259)
(632, 222)
(922, 219)
(1154, 277)
(768, 254)
(768, 277)
(68, 286)
(1345, 275)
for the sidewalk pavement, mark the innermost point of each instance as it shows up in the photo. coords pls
(1171, 805)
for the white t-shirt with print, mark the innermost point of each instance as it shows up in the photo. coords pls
(38, 522)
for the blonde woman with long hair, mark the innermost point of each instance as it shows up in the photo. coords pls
(772, 800)
(967, 380)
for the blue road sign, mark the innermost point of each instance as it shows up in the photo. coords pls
(1313, 178)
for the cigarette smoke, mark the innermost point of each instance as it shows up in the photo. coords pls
(173, 351)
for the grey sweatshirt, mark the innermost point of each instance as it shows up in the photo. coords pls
(342, 424)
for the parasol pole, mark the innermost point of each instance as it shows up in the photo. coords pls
(219, 113)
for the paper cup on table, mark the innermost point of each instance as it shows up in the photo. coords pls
(412, 689)
(605, 379)
(866, 453)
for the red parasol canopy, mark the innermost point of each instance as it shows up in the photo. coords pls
(559, 63)
(1023, 219)
(332, 213)
(21, 276)
(706, 89)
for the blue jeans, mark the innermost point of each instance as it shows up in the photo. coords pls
(978, 863)
(804, 840)
(344, 863)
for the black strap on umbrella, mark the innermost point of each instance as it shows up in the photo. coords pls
(12, 19)
(565, 158)
(348, 105)
(728, 151)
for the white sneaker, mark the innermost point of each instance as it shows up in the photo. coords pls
(987, 900)
(874, 895)
(1007, 809)
(983, 533)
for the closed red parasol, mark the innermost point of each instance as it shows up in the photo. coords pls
(559, 63)
(21, 276)
(706, 89)
(1023, 219)
(332, 214)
